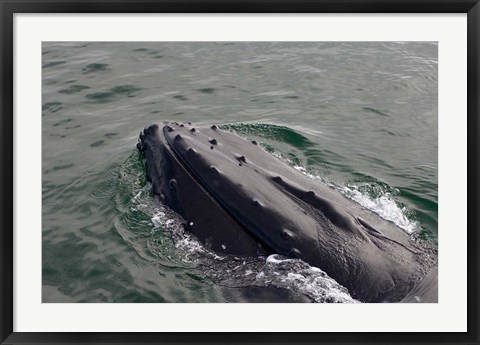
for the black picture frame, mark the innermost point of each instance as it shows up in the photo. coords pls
(9, 8)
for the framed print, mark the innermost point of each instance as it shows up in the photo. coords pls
(243, 172)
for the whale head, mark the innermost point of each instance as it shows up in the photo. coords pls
(239, 199)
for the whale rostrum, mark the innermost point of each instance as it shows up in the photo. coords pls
(243, 201)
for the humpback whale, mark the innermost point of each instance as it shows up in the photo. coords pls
(238, 199)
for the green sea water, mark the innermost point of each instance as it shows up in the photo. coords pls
(360, 116)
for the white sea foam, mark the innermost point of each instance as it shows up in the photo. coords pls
(308, 280)
(385, 206)
(158, 219)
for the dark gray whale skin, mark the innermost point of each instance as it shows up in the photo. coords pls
(238, 199)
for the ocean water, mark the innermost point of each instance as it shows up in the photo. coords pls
(360, 116)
